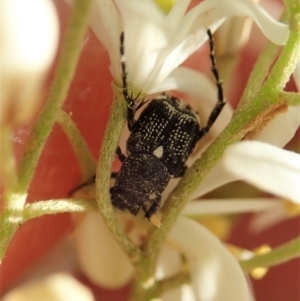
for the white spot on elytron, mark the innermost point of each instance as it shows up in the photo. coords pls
(152, 196)
(158, 152)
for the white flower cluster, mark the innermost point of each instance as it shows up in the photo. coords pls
(156, 44)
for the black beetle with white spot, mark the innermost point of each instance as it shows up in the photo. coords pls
(160, 142)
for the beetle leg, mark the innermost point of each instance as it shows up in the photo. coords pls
(220, 103)
(113, 174)
(141, 103)
(153, 208)
(120, 155)
(131, 102)
(181, 174)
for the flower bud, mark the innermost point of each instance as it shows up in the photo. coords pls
(28, 42)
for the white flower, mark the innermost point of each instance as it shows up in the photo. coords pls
(268, 168)
(28, 42)
(156, 44)
(101, 259)
(103, 262)
(278, 132)
(254, 162)
(215, 273)
(279, 174)
(56, 287)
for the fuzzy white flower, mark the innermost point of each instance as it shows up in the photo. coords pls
(56, 287)
(101, 259)
(156, 44)
(28, 42)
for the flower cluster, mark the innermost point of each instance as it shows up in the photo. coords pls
(161, 42)
(157, 42)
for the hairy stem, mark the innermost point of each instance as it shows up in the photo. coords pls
(8, 169)
(83, 154)
(292, 99)
(279, 255)
(12, 215)
(63, 76)
(41, 208)
(106, 157)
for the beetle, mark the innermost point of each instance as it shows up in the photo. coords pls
(160, 142)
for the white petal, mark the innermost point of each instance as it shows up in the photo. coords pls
(177, 12)
(275, 31)
(187, 293)
(216, 274)
(146, 36)
(265, 220)
(168, 265)
(189, 81)
(179, 49)
(56, 287)
(218, 177)
(183, 293)
(99, 255)
(296, 75)
(159, 48)
(208, 12)
(230, 206)
(202, 89)
(267, 167)
(282, 129)
(106, 24)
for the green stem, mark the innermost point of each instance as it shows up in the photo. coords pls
(145, 286)
(106, 157)
(261, 69)
(8, 169)
(41, 208)
(172, 282)
(259, 72)
(84, 156)
(12, 215)
(279, 255)
(9, 223)
(63, 76)
(292, 99)
(285, 65)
